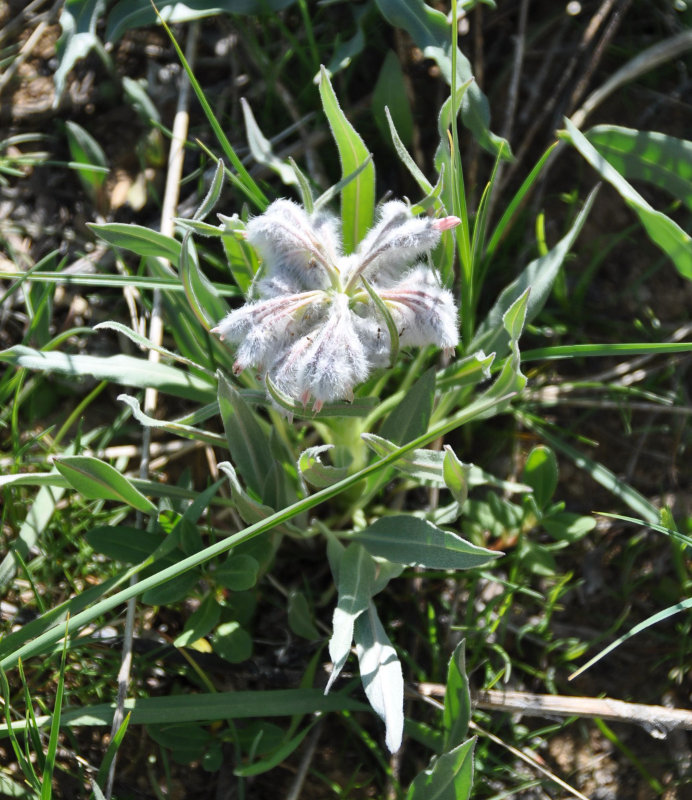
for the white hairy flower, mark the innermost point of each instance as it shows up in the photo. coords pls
(316, 330)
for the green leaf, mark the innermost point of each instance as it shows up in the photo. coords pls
(78, 20)
(247, 441)
(204, 300)
(128, 14)
(354, 581)
(661, 229)
(138, 239)
(449, 776)
(663, 161)
(431, 31)
(86, 152)
(212, 196)
(412, 416)
(380, 672)
(238, 572)
(232, 642)
(300, 617)
(539, 276)
(390, 94)
(456, 715)
(540, 473)
(358, 198)
(683, 605)
(97, 480)
(124, 543)
(278, 756)
(125, 370)
(205, 708)
(405, 539)
(172, 591)
(200, 623)
(242, 259)
(315, 472)
(261, 148)
(456, 475)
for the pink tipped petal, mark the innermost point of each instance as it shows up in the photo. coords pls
(317, 406)
(446, 223)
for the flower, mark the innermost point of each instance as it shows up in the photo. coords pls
(322, 319)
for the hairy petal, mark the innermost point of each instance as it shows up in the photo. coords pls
(294, 246)
(395, 242)
(328, 362)
(424, 311)
(264, 328)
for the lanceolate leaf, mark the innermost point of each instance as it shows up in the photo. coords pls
(247, 441)
(122, 369)
(412, 416)
(205, 708)
(664, 161)
(539, 276)
(661, 229)
(358, 198)
(96, 479)
(449, 776)
(380, 672)
(356, 576)
(457, 709)
(430, 30)
(138, 239)
(405, 539)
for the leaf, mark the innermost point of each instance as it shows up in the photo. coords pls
(358, 198)
(242, 259)
(356, 576)
(278, 756)
(456, 715)
(456, 475)
(121, 369)
(128, 14)
(238, 572)
(78, 20)
(201, 622)
(124, 543)
(666, 234)
(203, 707)
(540, 473)
(315, 472)
(300, 617)
(232, 642)
(87, 152)
(261, 148)
(247, 441)
(428, 465)
(449, 776)
(664, 161)
(186, 431)
(647, 623)
(212, 196)
(208, 307)
(411, 417)
(405, 539)
(172, 591)
(431, 31)
(380, 672)
(97, 480)
(138, 239)
(390, 95)
(538, 276)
